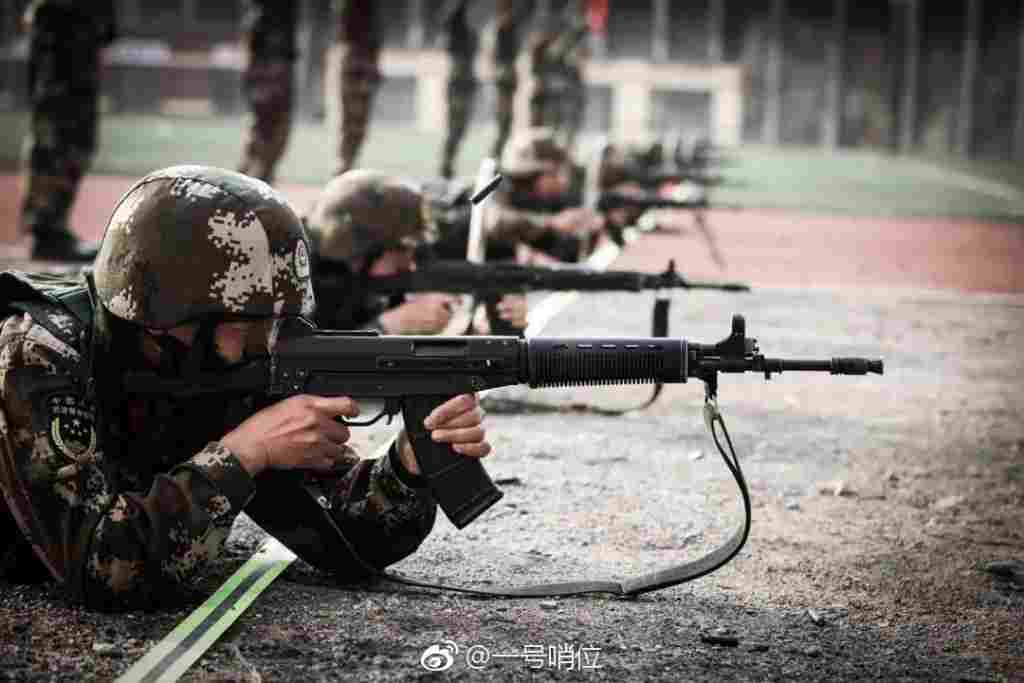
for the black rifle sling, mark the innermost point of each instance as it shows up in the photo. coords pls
(644, 583)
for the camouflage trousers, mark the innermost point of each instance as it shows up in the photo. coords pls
(463, 46)
(557, 94)
(556, 102)
(270, 40)
(63, 81)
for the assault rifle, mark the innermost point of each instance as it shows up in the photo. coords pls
(485, 280)
(415, 374)
(608, 201)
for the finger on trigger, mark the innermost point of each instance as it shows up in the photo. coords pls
(338, 405)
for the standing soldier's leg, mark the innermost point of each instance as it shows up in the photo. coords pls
(512, 14)
(575, 100)
(462, 47)
(269, 39)
(543, 65)
(561, 61)
(359, 39)
(63, 79)
(572, 59)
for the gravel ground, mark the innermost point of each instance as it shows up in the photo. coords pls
(878, 504)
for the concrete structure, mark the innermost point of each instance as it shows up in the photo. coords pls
(831, 73)
(632, 84)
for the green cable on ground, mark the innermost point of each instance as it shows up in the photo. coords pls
(173, 655)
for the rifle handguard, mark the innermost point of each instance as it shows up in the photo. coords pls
(557, 362)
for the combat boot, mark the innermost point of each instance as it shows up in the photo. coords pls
(62, 245)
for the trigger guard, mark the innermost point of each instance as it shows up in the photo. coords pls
(365, 423)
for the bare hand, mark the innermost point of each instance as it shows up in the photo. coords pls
(299, 432)
(512, 309)
(457, 421)
(427, 313)
(577, 221)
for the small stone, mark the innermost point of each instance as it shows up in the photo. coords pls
(720, 636)
(792, 504)
(816, 618)
(892, 477)
(106, 649)
(836, 488)
(508, 481)
(696, 455)
(947, 502)
(758, 647)
(549, 604)
(813, 651)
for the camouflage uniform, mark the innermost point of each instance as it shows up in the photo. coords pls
(557, 51)
(63, 78)
(462, 45)
(269, 37)
(127, 499)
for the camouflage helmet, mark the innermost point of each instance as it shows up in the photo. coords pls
(364, 212)
(532, 151)
(189, 242)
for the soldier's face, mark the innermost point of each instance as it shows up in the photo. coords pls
(233, 340)
(554, 182)
(393, 262)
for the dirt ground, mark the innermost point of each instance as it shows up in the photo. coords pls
(879, 502)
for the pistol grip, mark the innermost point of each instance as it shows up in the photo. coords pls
(460, 484)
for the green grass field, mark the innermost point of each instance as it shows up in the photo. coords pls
(796, 178)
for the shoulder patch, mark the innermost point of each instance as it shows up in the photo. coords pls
(72, 428)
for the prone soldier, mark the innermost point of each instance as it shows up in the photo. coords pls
(127, 498)
(536, 167)
(366, 224)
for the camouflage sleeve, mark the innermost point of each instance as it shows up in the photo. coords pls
(381, 512)
(111, 547)
(508, 225)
